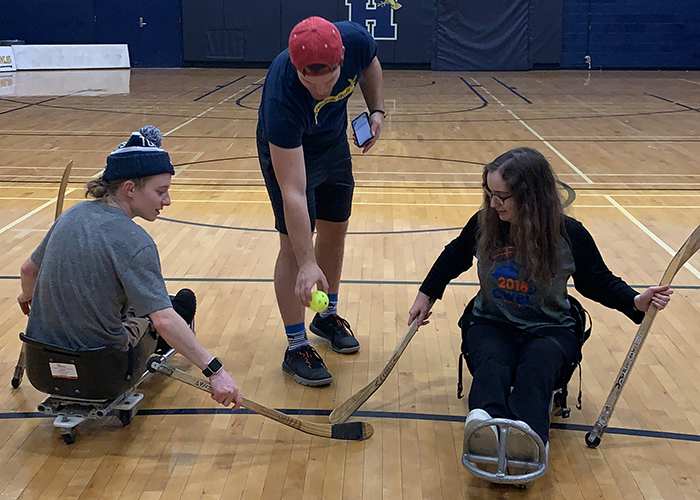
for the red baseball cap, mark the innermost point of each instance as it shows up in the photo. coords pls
(315, 41)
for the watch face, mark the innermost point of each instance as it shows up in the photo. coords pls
(215, 365)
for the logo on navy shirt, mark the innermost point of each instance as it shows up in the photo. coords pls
(375, 15)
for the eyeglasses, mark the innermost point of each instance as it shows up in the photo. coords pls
(501, 200)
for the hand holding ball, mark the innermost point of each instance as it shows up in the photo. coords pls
(319, 301)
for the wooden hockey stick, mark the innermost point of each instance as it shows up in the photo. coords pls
(62, 189)
(19, 367)
(593, 437)
(343, 412)
(352, 431)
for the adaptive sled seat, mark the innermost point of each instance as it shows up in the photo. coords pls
(87, 384)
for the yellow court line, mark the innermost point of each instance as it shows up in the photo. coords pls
(371, 203)
(41, 171)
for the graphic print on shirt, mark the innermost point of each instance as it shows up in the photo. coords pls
(346, 92)
(507, 284)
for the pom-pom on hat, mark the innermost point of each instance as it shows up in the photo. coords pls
(315, 41)
(140, 156)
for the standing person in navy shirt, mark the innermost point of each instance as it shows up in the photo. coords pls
(305, 159)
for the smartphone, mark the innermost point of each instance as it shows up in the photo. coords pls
(360, 126)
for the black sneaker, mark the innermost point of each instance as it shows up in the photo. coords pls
(306, 366)
(337, 331)
(185, 304)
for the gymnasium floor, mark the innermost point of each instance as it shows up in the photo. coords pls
(626, 142)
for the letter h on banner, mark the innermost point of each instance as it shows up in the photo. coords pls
(375, 15)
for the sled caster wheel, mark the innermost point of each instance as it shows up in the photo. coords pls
(68, 438)
(592, 443)
(126, 416)
(16, 382)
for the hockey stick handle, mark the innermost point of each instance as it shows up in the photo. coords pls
(689, 248)
(62, 189)
(344, 410)
(21, 361)
(352, 431)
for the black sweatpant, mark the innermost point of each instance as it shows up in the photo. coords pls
(503, 357)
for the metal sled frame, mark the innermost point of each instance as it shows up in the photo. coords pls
(502, 476)
(71, 412)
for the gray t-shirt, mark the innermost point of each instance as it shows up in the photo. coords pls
(94, 264)
(508, 295)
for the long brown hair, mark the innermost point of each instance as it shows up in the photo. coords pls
(537, 224)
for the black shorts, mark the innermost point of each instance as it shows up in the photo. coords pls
(329, 185)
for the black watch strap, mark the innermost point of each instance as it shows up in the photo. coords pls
(214, 366)
(377, 111)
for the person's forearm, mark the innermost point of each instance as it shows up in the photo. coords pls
(296, 216)
(27, 276)
(178, 335)
(372, 86)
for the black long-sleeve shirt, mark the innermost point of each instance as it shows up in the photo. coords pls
(591, 277)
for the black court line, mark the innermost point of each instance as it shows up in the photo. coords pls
(29, 105)
(369, 156)
(238, 102)
(356, 282)
(430, 417)
(410, 116)
(219, 87)
(689, 108)
(512, 89)
(473, 89)
(386, 83)
(258, 230)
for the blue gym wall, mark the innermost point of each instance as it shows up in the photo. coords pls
(442, 34)
(632, 33)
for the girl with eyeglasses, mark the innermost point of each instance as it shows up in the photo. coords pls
(519, 334)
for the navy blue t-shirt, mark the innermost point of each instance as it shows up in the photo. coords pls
(290, 117)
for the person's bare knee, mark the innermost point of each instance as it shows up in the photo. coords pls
(331, 234)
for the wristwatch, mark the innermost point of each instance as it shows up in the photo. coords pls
(214, 366)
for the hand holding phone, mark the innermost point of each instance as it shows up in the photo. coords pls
(361, 129)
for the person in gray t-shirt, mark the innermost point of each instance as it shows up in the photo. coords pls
(96, 263)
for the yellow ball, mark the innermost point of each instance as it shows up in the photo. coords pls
(319, 301)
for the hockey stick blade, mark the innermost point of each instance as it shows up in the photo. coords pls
(351, 431)
(343, 411)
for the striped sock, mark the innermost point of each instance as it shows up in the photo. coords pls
(332, 305)
(296, 336)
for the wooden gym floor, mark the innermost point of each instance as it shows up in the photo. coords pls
(626, 142)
